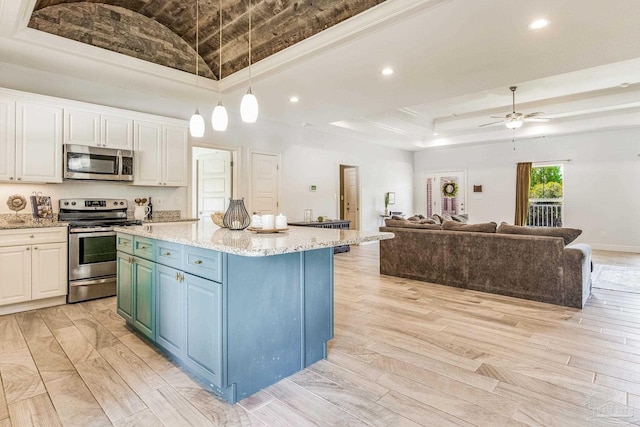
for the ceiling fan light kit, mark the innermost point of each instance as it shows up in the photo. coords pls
(219, 117)
(249, 103)
(515, 120)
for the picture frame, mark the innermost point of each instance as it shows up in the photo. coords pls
(392, 198)
(41, 207)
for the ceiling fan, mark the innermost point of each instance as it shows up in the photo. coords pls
(514, 120)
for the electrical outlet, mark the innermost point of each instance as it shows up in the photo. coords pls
(159, 201)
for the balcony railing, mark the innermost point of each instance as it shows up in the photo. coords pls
(545, 213)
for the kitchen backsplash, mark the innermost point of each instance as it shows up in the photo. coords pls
(163, 198)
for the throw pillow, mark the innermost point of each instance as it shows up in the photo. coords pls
(463, 218)
(414, 218)
(486, 227)
(568, 234)
(446, 217)
(437, 218)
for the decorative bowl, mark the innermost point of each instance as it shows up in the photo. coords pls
(217, 217)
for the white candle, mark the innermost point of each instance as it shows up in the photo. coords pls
(256, 221)
(281, 221)
(267, 222)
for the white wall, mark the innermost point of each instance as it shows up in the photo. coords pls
(310, 156)
(601, 181)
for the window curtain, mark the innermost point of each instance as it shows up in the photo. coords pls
(523, 181)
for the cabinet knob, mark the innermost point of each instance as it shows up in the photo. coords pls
(35, 247)
(197, 262)
(143, 247)
(10, 178)
(28, 249)
(166, 254)
(19, 179)
(31, 236)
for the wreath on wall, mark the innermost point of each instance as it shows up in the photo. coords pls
(450, 189)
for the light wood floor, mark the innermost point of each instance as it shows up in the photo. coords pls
(405, 353)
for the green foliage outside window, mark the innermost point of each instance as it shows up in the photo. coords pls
(546, 182)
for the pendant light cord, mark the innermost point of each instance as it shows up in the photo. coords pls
(220, 53)
(197, 38)
(250, 12)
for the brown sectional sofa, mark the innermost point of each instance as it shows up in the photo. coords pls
(531, 267)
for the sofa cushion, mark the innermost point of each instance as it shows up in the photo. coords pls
(485, 227)
(409, 224)
(568, 234)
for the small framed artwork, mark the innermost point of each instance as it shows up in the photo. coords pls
(392, 198)
(41, 207)
(313, 188)
(477, 188)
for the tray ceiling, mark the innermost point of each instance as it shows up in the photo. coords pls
(164, 31)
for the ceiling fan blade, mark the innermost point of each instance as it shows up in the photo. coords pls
(490, 124)
(498, 117)
(537, 113)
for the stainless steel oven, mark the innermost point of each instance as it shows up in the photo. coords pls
(92, 245)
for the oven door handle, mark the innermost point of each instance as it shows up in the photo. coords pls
(84, 233)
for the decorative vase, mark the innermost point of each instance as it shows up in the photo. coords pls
(236, 217)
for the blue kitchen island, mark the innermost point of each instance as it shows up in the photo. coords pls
(239, 310)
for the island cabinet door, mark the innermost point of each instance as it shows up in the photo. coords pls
(203, 352)
(125, 286)
(143, 297)
(170, 310)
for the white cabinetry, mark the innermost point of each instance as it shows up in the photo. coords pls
(160, 154)
(30, 141)
(85, 127)
(33, 267)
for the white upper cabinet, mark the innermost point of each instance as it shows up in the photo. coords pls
(7, 139)
(85, 127)
(117, 132)
(38, 142)
(160, 154)
(81, 128)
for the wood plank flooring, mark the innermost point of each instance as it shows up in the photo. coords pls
(405, 353)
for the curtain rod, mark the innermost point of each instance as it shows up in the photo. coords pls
(551, 161)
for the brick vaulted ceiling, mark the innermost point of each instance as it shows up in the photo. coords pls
(164, 31)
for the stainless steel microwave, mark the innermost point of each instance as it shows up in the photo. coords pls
(97, 163)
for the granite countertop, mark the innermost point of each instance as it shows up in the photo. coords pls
(29, 222)
(246, 243)
(165, 220)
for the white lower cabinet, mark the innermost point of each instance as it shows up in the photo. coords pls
(33, 264)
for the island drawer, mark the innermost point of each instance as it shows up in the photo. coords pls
(124, 243)
(203, 263)
(169, 254)
(144, 248)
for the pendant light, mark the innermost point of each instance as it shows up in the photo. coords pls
(196, 124)
(220, 118)
(249, 103)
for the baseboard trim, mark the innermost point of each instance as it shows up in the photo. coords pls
(32, 305)
(615, 248)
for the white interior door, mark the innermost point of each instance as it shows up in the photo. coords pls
(438, 202)
(265, 171)
(214, 182)
(351, 197)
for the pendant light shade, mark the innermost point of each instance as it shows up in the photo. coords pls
(514, 124)
(220, 118)
(249, 107)
(249, 103)
(196, 125)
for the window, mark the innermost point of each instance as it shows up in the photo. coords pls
(546, 196)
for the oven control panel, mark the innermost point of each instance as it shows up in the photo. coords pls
(93, 204)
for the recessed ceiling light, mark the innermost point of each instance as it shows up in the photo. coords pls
(294, 99)
(305, 124)
(539, 23)
(435, 134)
(387, 71)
